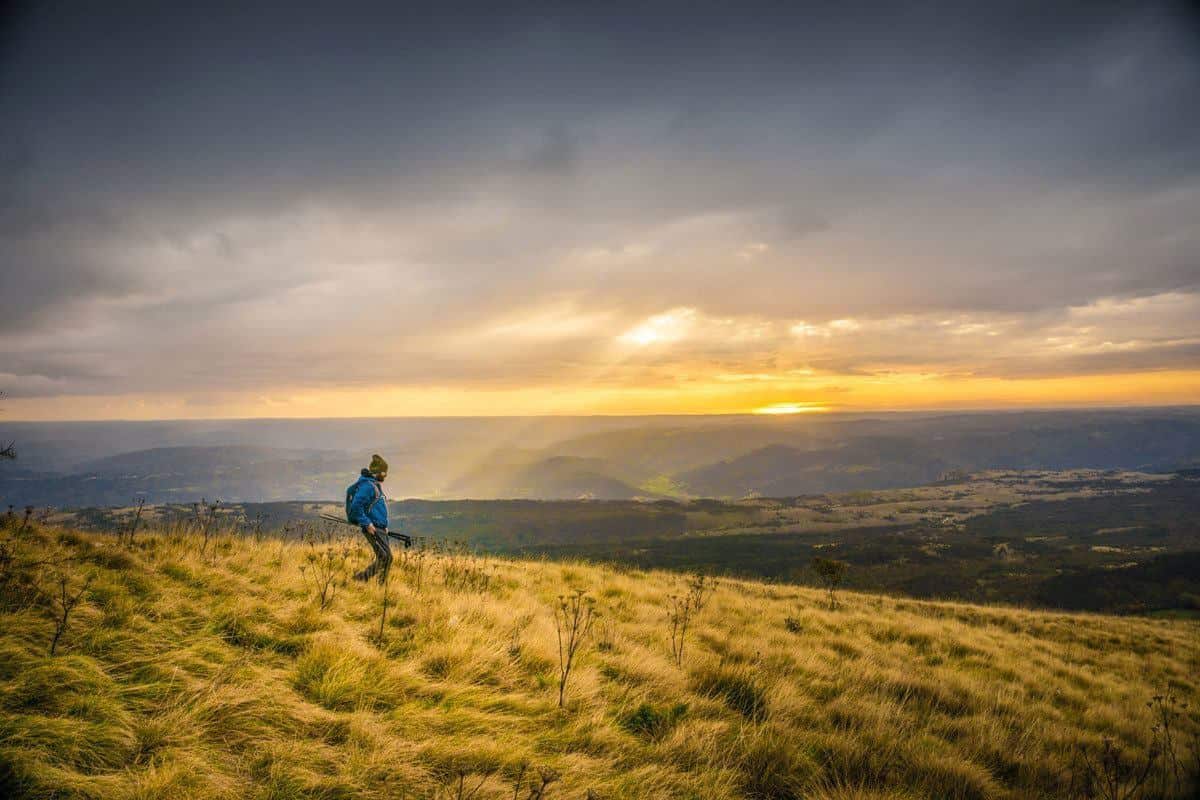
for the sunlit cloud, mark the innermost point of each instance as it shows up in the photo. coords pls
(670, 326)
(753, 250)
(742, 377)
(805, 329)
(554, 323)
(827, 329)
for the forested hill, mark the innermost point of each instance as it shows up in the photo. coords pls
(101, 464)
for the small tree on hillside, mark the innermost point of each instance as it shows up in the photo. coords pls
(8, 451)
(831, 573)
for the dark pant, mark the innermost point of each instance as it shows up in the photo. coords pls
(383, 556)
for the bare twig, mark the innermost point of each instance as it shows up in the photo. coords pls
(206, 515)
(683, 609)
(131, 531)
(573, 618)
(546, 776)
(66, 600)
(461, 792)
(1109, 774)
(325, 562)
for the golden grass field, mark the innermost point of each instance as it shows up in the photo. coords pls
(218, 675)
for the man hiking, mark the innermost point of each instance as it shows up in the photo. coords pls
(366, 507)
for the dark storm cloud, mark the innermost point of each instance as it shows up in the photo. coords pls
(213, 179)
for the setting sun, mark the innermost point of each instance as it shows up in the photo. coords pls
(791, 408)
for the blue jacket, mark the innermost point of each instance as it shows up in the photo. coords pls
(369, 504)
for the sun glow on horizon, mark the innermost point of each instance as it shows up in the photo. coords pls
(791, 408)
(609, 391)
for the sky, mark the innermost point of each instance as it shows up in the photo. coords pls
(276, 210)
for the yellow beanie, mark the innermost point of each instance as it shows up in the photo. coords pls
(378, 466)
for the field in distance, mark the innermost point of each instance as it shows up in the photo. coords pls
(191, 670)
(1078, 539)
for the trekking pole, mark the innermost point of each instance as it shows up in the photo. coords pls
(403, 537)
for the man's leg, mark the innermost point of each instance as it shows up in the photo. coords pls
(383, 554)
(374, 566)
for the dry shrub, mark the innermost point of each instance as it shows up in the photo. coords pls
(738, 686)
(340, 679)
(774, 765)
(653, 722)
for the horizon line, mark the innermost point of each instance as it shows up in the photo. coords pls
(948, 411)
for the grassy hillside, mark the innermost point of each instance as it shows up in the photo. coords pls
(1021, 538)
(218, 675)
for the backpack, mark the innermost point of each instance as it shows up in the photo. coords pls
(350, 491)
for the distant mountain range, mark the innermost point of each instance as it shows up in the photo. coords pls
(779, 470)
(96, 464)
